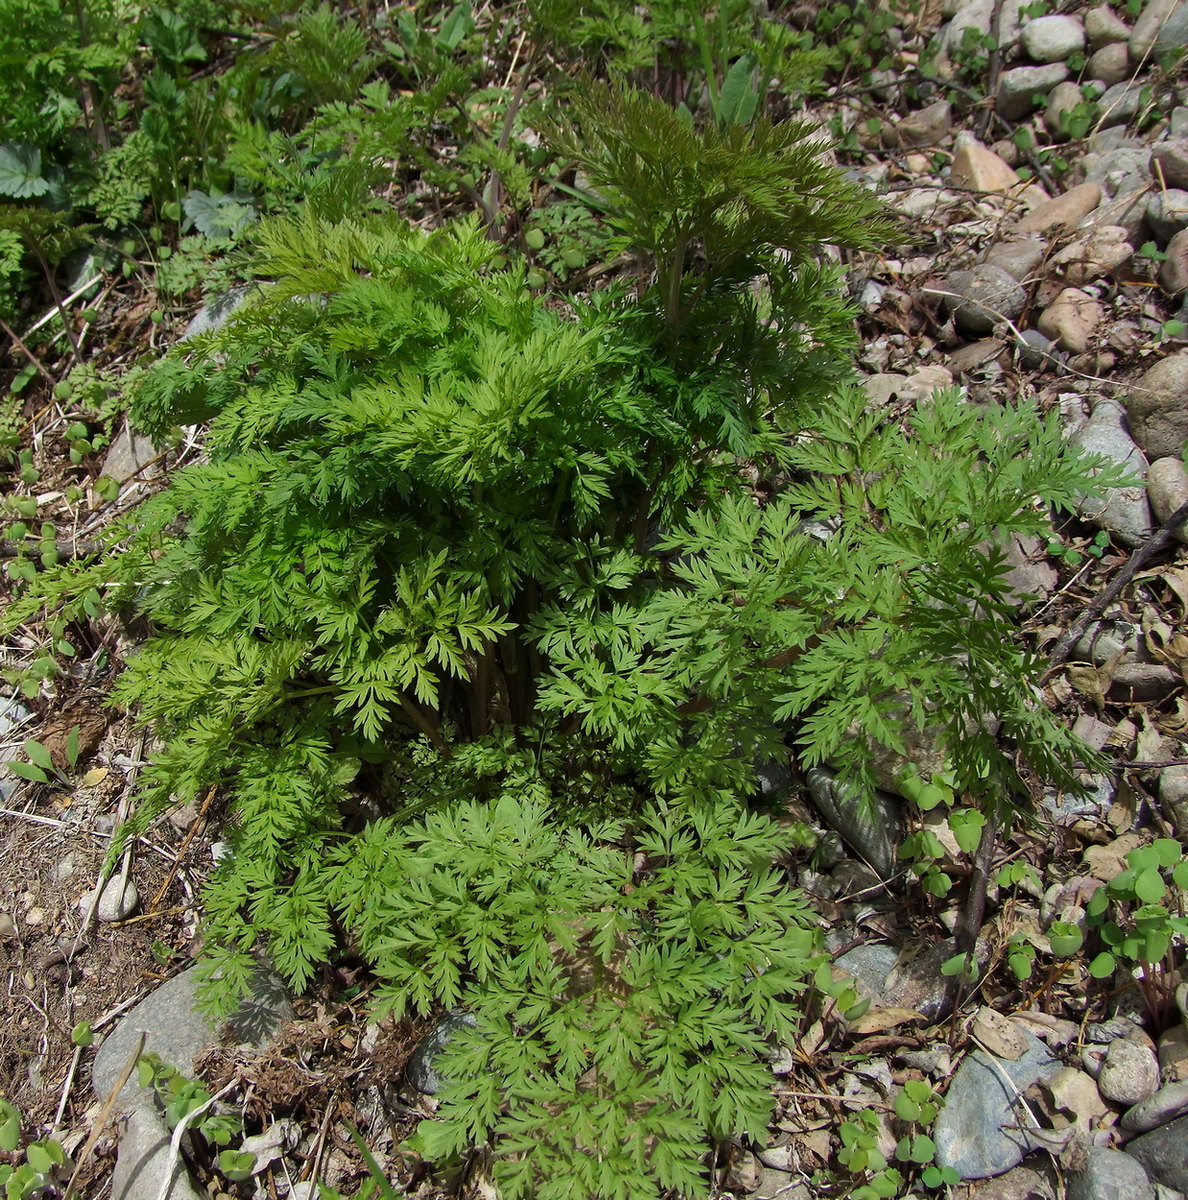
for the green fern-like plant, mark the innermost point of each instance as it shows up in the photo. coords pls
(472, 615)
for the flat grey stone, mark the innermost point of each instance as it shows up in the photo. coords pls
(128, 455)
(982, 298)
(1121, 103)
(1173, 797)
(1169, 1102)
(1130, 1072)
(178, 1032)
(1103, 27)
(1169, 162)
(1121, 171)
(1019, 88)
(143, 1158)
(1164, 1153)
(1149, 30)
(1110, 1175)
(1053, 38)
(980, 1130)
(1167, 491)
(1110, 64)
(871, 964)
(13, 714)
(1122, 511)
(1167, 213)
(1173, 272)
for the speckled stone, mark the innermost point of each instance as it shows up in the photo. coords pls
(1157, 407)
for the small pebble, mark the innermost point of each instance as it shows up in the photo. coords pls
(116, 903)
(7, 926)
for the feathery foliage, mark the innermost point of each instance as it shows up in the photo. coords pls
(471, 613)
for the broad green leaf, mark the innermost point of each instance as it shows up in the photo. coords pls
(72, 747)
(39, 754)
(28, 771)
(1149, 885)
(1168, 851)
(737, 99)
(1065, 938)
(1102, 966)
(20, 171)
(455, 27)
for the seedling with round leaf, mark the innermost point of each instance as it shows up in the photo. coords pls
(1139, 915)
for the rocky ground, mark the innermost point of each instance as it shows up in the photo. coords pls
(1043, 191)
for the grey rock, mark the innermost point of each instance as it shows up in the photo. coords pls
(1167, 492)
(1129, 1073)
(1157, 407)
(1018, 258)
(986, 295)
(1122, 511)
(143, 1158)
(980, 1131)
(13, 715)
(1066, 808)
(1173, 273)
(1169, 1102)
(1164, 1153)
(872, 825)
(1121, 103)
(420, 1071)
(1036, 352)
(1142, 681)
(1177, 126)
(118, 900)
(1149, 29)
(216, 312)
(128, 455)
(1173, 797)
(871, 964)
(1052, 39)
(1172, 37)
(1173, 1042)
(1167, 214)
(1110, 1175)
(1019, 87)
(1182, 1001)
(1121, 171)
(177, 1031)
(917, 981)
(1110, 64)
(1103, 27)
(1169, 162)
(1116, 137)
(1128, 211)
(925, 127)
(978, 15)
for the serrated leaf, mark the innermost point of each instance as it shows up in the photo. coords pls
(216, 215)
(20, 171)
